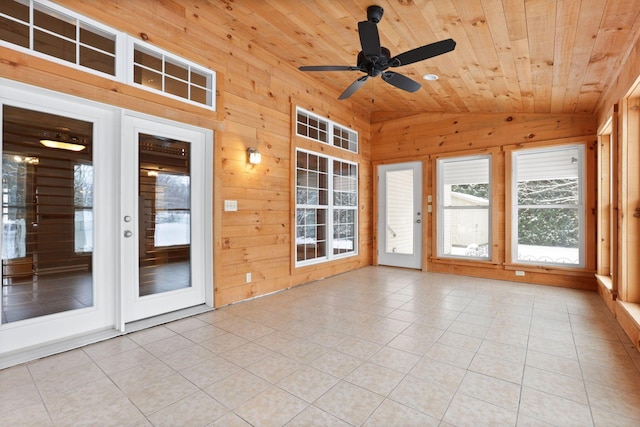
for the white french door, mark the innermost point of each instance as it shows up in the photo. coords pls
(58, 216)
(106, 218)
(165, 217)
(400, 215)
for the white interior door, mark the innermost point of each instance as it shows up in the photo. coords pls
(165, 217)
(400, 215)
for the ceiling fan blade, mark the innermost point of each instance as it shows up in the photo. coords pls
(328, 68)
(400, 81)
(353, 87)
(423, 52)
(369, 38)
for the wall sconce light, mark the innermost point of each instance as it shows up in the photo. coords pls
(255, 158)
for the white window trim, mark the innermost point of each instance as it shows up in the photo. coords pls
(124, 63)
(330, 126)
(330, 209)
(580, 207)
(132, 43)
(441, 207)
(46, 3)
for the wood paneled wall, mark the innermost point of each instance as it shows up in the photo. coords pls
(397, 138)
(255, 95)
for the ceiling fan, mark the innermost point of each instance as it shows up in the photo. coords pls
(374, 60)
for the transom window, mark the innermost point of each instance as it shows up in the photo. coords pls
(464, 207)
(548, 198)
(45, 29)
(324, 130)
(326, 208)
(160, 71)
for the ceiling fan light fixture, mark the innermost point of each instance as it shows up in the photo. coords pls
(430, 77)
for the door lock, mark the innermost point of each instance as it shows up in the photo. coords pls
(128, 233)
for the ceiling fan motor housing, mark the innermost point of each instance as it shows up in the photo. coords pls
(374, 66)
(374, 14)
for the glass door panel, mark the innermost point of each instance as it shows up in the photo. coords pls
(164, 195)
(399, 212)
(47, 214)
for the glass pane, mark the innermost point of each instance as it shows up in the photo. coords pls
(148, 60)
(199, 95)
(54, 46)
(97, 61)
(147, 78)
(466, 195)
(549, 192)
(55, 22)
(14, 32)
(465, 232)
(17, 9)
(178, 70)
(164, 203)
(549, 235)
(47, 215)
(97, 39)
(176, 87)
(399, 212)
(200, 79)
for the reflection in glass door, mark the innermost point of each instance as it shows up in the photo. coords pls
(164, 195)
(47, 214)
(400, 215)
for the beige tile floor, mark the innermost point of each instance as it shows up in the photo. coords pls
(375, 347)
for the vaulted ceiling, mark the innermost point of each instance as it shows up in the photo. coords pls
(543, 56)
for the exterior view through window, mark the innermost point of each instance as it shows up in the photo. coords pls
(549, 211)
(464, 214)
(326, 207)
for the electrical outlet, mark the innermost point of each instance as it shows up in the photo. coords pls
(519, 273)
(248, 277)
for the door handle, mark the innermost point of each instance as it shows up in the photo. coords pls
(128, 233)
(418, 221)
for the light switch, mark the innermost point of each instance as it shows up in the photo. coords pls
(230, 205)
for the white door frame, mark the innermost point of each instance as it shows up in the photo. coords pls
(201, 291)
(38, 330)
(414, 258)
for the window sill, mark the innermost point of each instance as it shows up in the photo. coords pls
(465, 261)
(605, 281)
(569, 271)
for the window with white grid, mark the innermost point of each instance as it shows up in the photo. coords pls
(326, 208)
(42, 28)
(312, 126)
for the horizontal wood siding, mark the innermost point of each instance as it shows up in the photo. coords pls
(254, 98)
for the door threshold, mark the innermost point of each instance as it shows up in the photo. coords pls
(161, 319)
(41, 351)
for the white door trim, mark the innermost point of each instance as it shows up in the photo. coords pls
(201, 292)
(416, 216)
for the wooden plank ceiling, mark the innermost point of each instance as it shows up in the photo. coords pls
(543, 56)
